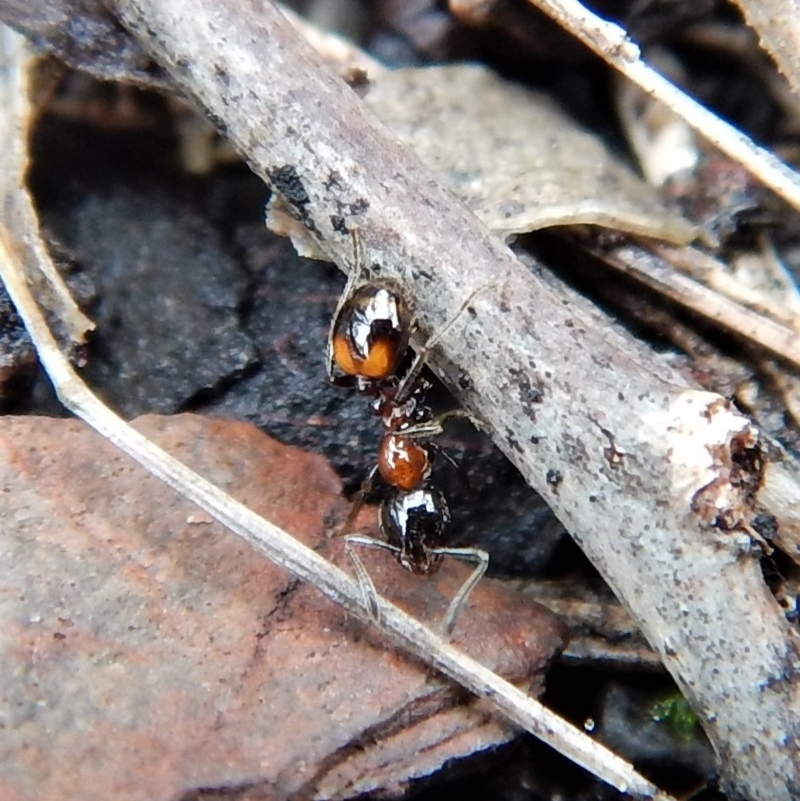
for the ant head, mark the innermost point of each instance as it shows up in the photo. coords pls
(416, 523)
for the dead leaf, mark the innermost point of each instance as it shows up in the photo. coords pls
(17, 68)
(778, 29)
(148, 653)
(514, 157)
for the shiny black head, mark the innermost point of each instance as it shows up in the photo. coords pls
(416, 522)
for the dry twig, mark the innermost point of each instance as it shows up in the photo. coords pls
(613, 45)
(681, 288)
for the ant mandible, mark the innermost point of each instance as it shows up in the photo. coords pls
(369, 345)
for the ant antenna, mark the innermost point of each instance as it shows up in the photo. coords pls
(461, 309)
(421, 355)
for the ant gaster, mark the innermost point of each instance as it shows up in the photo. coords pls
(369, 347)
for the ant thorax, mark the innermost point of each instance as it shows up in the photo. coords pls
(398, 413)
(404, 463)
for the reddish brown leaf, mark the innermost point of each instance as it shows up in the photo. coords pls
(148, 652)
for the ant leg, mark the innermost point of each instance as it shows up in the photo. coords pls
(407, 383)
(474, 555)
(358, 502)
(409, 379)
(370, 594)
(461, 309)
(445, 455)
(459, 467)
(354, 277)
(368, 591)
(433, 427)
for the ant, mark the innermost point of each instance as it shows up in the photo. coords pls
(368, 347)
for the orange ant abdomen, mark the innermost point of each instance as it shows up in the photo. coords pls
(370, 334)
